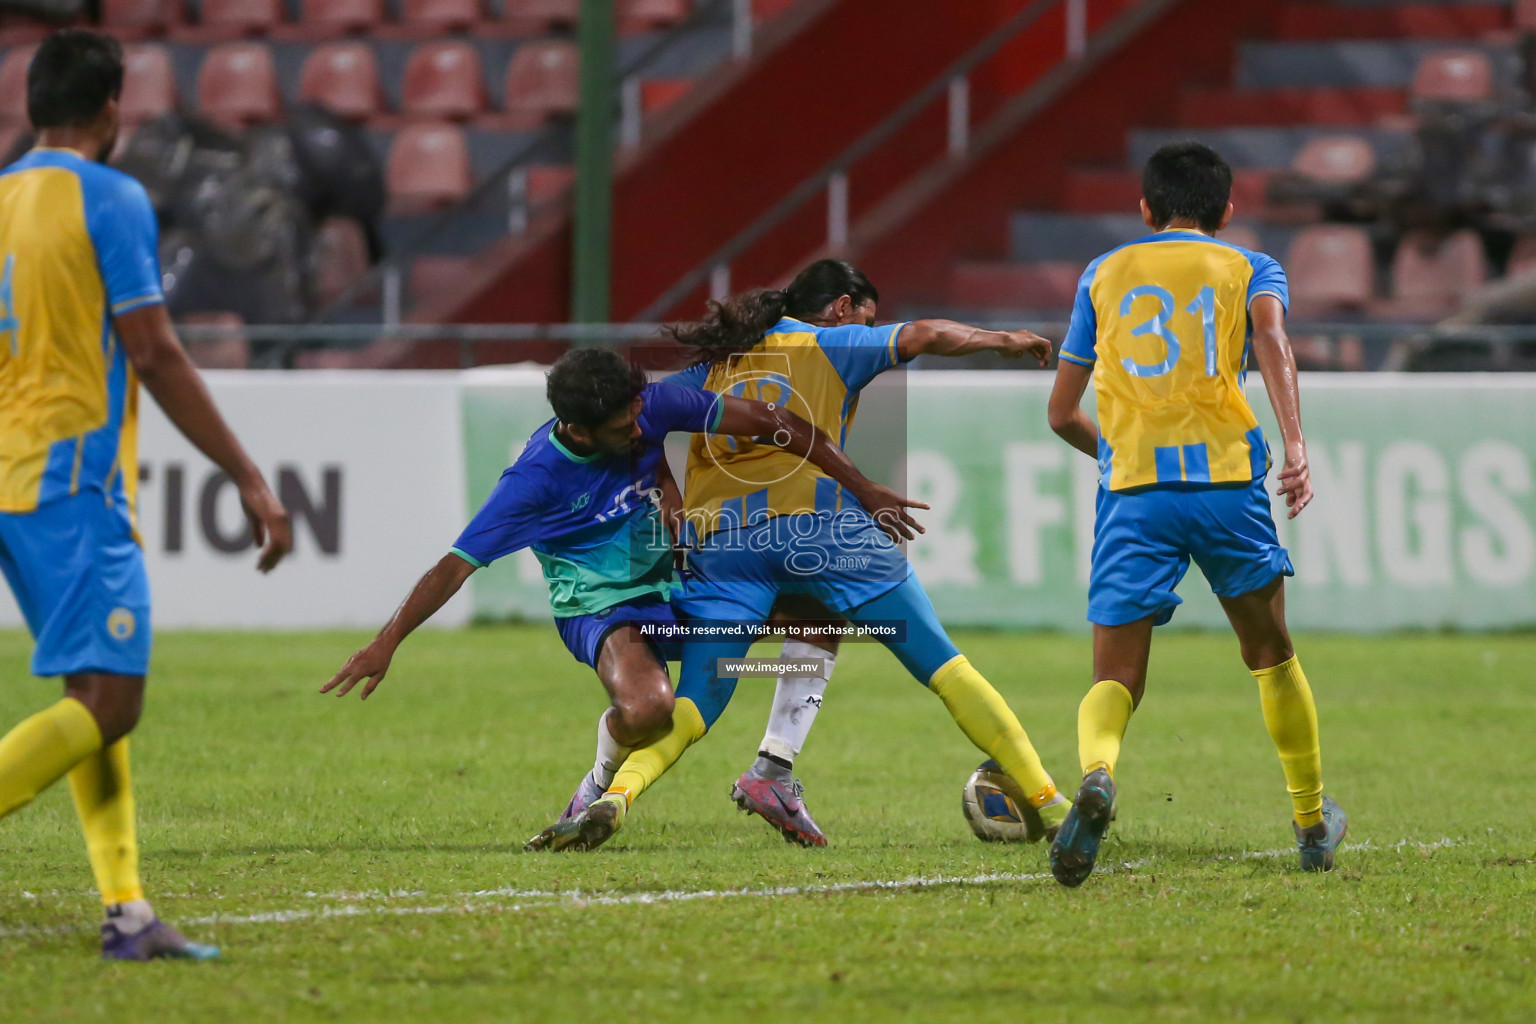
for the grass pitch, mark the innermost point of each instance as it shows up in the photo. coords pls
(360, 862)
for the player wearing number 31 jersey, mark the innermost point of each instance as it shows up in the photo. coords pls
(1165, 326)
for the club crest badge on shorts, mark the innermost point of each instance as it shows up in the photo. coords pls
(121, 624)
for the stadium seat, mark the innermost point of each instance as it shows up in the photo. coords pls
(1331, 270)
(443, 80)
(237, 85)
(428, 16)
(541, 14)
(636, 16)
(343, 78)
(428, 167)
(1336, 160)
(130, 19)
(541, 82)
(149, 83)
(1048, 284)
(1453, 76)
(764, 10)
(339, 17)
(231, 19)
(1430, 275)
(13, 84)
(1525, 15)
(340, 257)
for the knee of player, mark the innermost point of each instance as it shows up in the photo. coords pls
(115, 703)
(647, 712)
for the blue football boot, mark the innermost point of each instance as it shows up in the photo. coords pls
(1077, 843)
(1318, 843)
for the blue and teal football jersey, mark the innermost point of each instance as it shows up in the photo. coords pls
(591, 519)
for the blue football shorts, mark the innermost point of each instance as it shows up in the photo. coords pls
(843, 560)
(584, 635)
(1143, 543)
(77, 572)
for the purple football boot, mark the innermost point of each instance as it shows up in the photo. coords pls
(156, 941)
(781, 804)
(587, 793)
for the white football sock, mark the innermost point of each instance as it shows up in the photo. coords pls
(610, 754)
(796, 699)
(131, 917)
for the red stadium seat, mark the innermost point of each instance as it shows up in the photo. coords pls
(443, 80)
(636, 16)
(1331, 269)
(440, 15)
(1453, 76)
(13, 84)
(764, 10)
(541, 81)
(341, 16)
(341, 257)
(1336, 160)
(343, 78)
(131, 18)
(237, 85)
(1525, 15)
(230, 19)
(428, 167)
(1430, 275)
(541, 14)
(1043, 285)
(149, 83)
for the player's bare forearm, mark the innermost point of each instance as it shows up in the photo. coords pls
(168, 375)
(431, 592)
(1066, 414)
(1277, 365)
(773, 424)
(949, 338)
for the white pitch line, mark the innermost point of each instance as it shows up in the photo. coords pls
(480, 901)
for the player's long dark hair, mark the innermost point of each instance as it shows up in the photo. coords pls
(739, 323)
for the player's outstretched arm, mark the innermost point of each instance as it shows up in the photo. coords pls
(161, 363)
(1065, 412)
(1272, 349)
(948, 338)
(431, 592)
(768, 423)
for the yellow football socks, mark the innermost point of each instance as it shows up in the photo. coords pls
(41, 749)
(1291, 718)
(647, 764)
(990, 723)
(103, 792)
(1101, 721)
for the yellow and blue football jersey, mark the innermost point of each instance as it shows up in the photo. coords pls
(736, 482)
(1164, 321)
(78, 246)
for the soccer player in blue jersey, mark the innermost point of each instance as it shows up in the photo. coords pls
(1163, 327)
(584, 496)
(767, 528)
(82, 321)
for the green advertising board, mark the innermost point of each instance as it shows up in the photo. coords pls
(1423, 518)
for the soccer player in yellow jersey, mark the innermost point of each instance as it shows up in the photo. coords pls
(82, 320)
(767, 527)
(1163, 327)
